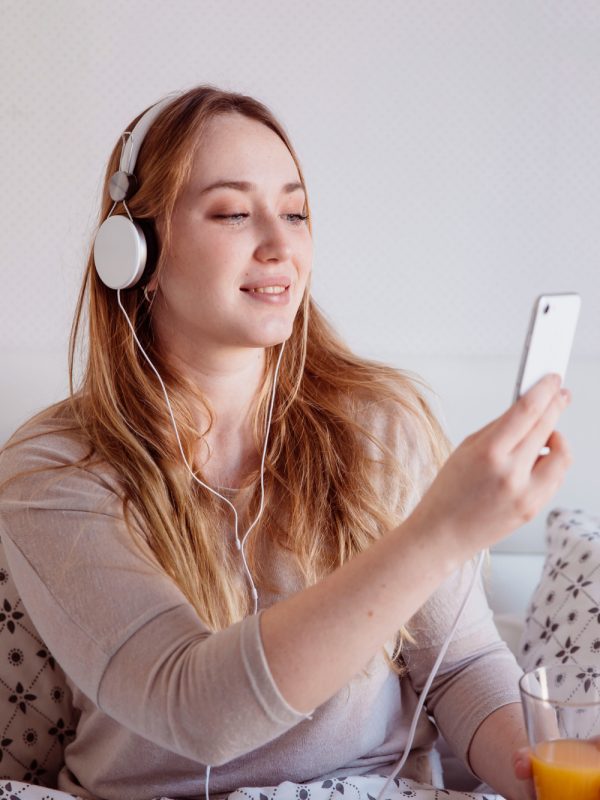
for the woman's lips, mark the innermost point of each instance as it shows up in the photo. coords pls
(260, 282)
(277, 299)
(268, 289)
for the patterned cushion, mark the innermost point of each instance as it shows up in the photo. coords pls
(15, 790)
(37, 717)
(562, 625)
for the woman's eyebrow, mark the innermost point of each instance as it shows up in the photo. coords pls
(246, 186)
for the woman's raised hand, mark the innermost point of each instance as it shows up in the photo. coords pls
(492, 483)
(495, 480)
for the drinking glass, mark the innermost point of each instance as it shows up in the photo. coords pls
(561, 704)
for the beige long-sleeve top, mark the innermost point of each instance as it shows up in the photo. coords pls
(161, 696)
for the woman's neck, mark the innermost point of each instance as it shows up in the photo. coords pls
(226, 454)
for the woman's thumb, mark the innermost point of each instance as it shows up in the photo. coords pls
(522, 763)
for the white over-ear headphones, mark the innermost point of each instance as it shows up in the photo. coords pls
(125, 250)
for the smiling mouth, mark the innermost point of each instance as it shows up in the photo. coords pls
(267, 290)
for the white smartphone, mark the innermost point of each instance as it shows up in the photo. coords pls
(549, 341)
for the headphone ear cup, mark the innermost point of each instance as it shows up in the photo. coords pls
(121, 252)
(149, 231)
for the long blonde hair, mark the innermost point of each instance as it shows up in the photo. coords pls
(322, 504)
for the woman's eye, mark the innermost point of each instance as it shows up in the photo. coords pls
(237, 218)
(230, 216)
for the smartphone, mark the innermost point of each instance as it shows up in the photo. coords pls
(549, 340)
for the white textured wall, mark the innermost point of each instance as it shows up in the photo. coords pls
(451, 153)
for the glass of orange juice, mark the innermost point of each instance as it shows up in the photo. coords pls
(561, 704)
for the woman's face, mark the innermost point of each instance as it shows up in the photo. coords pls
(228, 242)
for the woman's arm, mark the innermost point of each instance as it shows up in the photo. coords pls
(487, 488)
(491, 754)
(343, 620)
(128, 638)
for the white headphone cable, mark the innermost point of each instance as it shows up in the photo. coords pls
(206, 781)
(432, 674)
(240, 545)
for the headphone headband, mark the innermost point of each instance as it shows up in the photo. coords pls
(134, 141)
(125, 250)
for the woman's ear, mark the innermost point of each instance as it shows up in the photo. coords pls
(152, 284)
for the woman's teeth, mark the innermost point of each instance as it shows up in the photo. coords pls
(270, 289)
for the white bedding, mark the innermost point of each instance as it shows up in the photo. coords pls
(354, 788)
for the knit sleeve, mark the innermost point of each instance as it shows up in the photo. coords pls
(120, 628)
(478, 674)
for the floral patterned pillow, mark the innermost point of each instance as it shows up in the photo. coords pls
(562, 624)
(37, 717)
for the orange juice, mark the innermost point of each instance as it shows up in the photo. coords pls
(566, 769)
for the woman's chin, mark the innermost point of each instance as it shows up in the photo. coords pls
(274, 335)
(272, 341)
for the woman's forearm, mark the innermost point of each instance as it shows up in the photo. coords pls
(316, 640)
(492, 747)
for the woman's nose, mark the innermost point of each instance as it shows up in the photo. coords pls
(274, 244)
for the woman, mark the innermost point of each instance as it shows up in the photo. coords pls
(362, 546)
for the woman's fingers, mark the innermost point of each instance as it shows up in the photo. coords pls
(522, 764)
(517, 422)
(539, 435)
(549, 471)
(486, 478)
